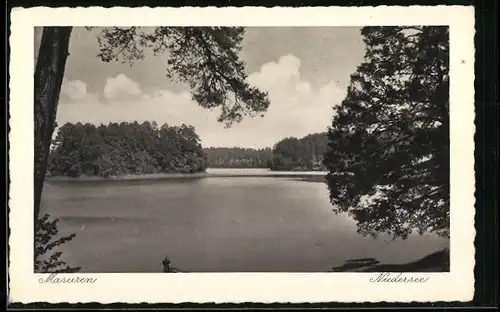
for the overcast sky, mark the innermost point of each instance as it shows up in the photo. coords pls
(305, 70)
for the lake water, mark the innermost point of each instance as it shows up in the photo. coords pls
(214, 224)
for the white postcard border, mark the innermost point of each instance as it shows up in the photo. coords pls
(457, 285)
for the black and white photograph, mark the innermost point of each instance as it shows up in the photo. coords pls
(228, 148)
(233, 149)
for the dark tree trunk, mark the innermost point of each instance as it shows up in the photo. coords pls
(49, 72)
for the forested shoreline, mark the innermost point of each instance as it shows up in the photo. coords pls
(125, 149)
(304, 154)
(237, 157)
(289, 154)
(132, 148)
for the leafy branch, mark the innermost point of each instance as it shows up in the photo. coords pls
(47, 261)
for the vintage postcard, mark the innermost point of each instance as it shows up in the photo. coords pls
(229, 155)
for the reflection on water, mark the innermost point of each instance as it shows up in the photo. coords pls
(212, 224)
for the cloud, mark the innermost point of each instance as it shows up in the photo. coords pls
(75, 91)
(279, 73)
(298, 107)
(121, 87)
(162, 106)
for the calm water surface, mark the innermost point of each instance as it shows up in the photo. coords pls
(214, 224)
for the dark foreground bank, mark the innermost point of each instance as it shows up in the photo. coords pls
(435, 262)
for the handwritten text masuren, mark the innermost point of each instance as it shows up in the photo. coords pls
(397, 278)
(54, 279)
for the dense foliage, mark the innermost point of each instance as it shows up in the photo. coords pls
(46, 260)
(388, 156)
(125, 148)
(300, 154)
(236, 157)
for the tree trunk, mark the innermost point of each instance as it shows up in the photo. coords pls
(49, 72)
(38, 38)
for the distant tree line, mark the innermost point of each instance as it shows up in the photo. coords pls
(125, 148)
(288, 154)
(300, 154)
(237, 157)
